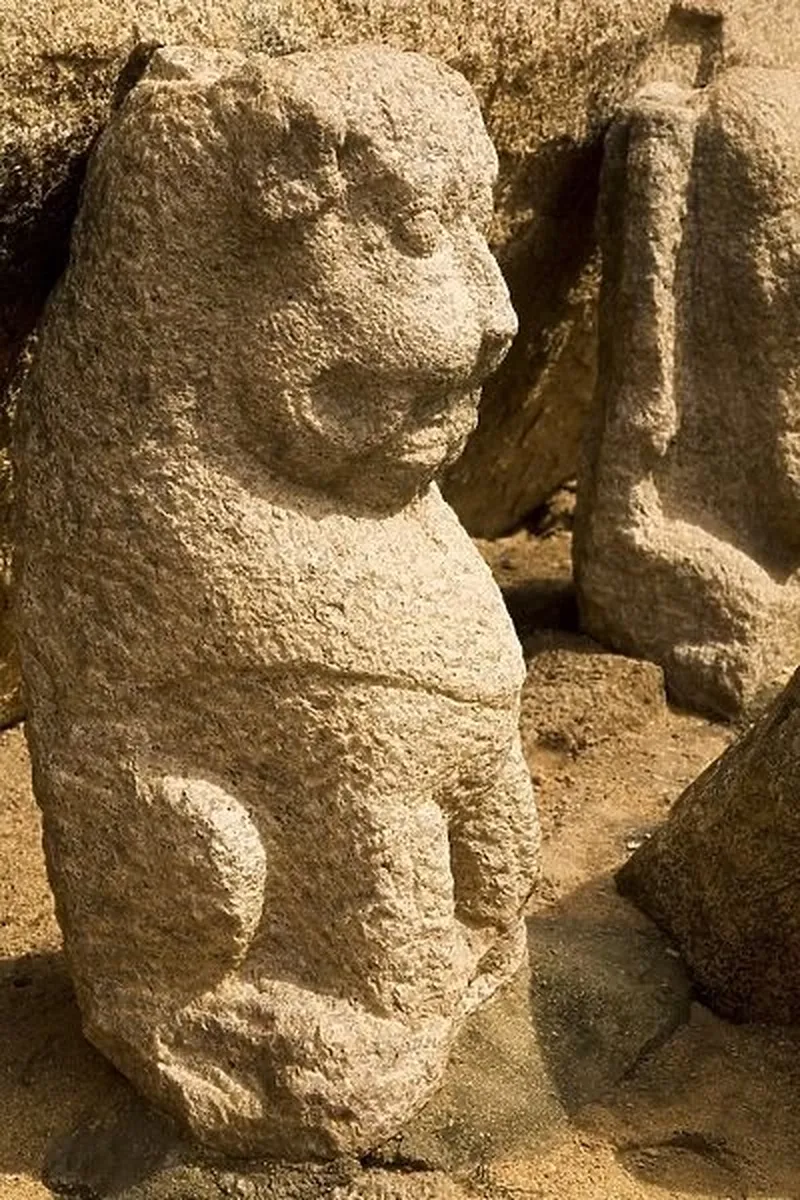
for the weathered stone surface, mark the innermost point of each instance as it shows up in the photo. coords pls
(687, 533)
(11, 707)
(548, 77)
(598, 996)
(758, 32)
(588, 59)
(721, 875)
(274, 690)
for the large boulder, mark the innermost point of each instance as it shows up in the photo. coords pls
(721, 875)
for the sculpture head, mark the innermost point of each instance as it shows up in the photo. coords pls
(318, 222)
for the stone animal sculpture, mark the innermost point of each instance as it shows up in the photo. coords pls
(687, 538)
(273, 688)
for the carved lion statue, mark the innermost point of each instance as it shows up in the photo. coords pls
(273, 689)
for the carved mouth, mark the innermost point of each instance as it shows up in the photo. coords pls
(440, 440)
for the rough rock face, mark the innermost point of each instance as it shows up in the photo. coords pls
(566, 674)
(721, 875)
(274, 690)
(687, 530)
(546, 79)
(11, 708)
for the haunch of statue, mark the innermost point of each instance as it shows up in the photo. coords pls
(687, 539)
(273, 689)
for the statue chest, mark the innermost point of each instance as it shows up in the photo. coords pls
(405, 600)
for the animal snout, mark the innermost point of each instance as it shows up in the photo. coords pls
(497, 338)
(500, 322)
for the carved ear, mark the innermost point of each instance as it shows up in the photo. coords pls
(302, 176)
(280, 120)
(285, 148)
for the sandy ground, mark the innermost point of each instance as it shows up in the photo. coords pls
(713, 1112)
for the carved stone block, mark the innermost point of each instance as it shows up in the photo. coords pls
(687, 541)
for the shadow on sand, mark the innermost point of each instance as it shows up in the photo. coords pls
(707, 1107)
(50, 1074)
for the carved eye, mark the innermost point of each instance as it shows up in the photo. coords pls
(420, 232)
(473, 202)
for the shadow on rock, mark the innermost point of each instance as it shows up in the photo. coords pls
(496, 1100)
(542, 604)
(601, 993)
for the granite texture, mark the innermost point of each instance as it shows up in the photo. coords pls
(687, 527)
(273, 688)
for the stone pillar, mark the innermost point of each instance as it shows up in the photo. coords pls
(687, 542)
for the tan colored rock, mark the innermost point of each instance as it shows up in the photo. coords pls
(274, 691)
(533, 411)
(589, 60)
(687, 531)
(761, 32)
(566, 675)
(721, 875)
(548, 77)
